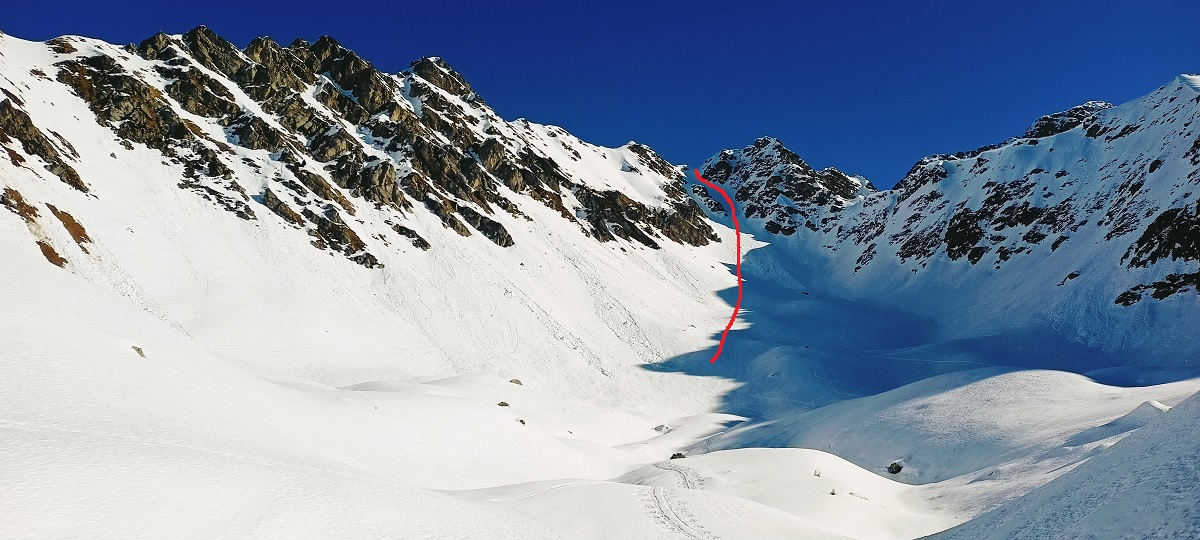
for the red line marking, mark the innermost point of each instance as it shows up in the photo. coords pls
(737, 231)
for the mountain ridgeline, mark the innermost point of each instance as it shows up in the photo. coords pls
(345, 136)
(1086, 227)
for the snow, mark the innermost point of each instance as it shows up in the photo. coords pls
(195, 374)
(1142, 487)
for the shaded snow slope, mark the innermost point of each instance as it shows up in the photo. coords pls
(1142, 487)
(1084, 233)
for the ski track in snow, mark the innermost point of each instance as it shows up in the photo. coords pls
(676, 518)
(547, 491)
(687, 477)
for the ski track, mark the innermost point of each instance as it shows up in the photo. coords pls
(547, 491)
(687, 477)
(676, 518)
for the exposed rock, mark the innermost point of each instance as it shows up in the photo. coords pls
(214, 52)
(1174, 234)
(444, 209)
(333, 233)
(282, 68)
(417, 241)
(437, 72)
(12, 200)
(134, 109)
(281, 209)
(51, 255)
(369, 87)
(224, 201)
(1053, 124)
(427, 121)
(199, 94)
(61, 45)
(613, 215)
(490, 228)
(321, 188)
(255, 133)
(771, 184)
(160, 46)
(16, 124)
(77, 232)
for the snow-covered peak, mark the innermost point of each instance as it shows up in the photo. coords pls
(1053, 124)
(1189, 80)
(1093, 212)
(778, 190)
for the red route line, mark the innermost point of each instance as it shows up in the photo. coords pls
(738, 235)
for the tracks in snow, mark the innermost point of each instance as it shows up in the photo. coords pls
(675, 516)
(672, 513)
(687, 477)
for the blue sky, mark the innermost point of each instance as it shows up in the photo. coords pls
(868, 86)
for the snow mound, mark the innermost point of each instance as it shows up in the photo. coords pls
(1142, 487)
(955, 424)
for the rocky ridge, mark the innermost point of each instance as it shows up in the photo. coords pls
(1102, 197)
(335, 135)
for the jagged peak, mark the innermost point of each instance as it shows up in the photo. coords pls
(204, 32)
(437, 72)
(762, 149)
(214, 51)
(263, 41)
(326, 44)
(1053, 124)
(155, 47)
(779, 188)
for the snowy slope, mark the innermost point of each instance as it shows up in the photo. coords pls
(1143, 487)
(257, 290)
(1082, 230)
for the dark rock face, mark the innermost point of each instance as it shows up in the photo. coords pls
(1118, 173)
(281, 209)
(15, 203)
(321, 188)
(199, 94)
(963, 233)
(254, 133)
(1053, 124)
(491, 229)
(349, 134)
(333, 233)
(438, 73)
(772, 184)
(417, 241)
(1174, 234)
(135, 109)
(613, 215)
(16, 124)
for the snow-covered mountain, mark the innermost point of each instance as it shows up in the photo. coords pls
(276, 292)
(1083, 228)
(258, 198)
